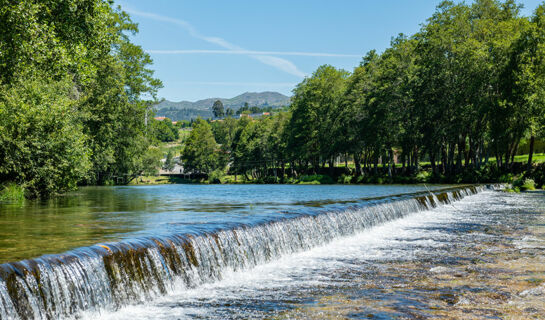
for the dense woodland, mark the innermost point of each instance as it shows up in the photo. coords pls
(469, 86)
(74, 96)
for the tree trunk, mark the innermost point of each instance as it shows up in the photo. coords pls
(432, 161)
(531, 153)
(390, 160)
(459, 155)
(357, 164)
(443, 160)
(416, 161)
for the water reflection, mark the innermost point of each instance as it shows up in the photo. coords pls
(103, 214)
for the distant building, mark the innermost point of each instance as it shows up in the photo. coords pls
(160, 118)
(253, 115)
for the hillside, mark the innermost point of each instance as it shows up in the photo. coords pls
(185, 110)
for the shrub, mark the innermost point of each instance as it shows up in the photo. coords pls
(41, 140)
(345, 179)
(319, 178)
(524, 184)
(12, 192)
(310, 182)
(216, 176)
(423, 176)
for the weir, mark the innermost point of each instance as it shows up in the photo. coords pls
(107, 276)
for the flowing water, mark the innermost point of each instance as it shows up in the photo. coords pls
(230, 251)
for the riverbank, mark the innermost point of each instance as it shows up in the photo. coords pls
(518, 177)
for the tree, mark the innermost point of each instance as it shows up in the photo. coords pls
(165, 131)
(80, 50)
(42, 146)
(169, 161)
(314, 109)
(526, 74)
(217, 109)
(201, 151)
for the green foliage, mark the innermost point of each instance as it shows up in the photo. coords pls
(71, 95)
(246, 109)
(165, 131)
(345, 179)
(524, 184)
(76, 97)
(216, 176)
(217, 109)
(151, 161)
(200, 151)
(316, 179)
(314, 108)
(423, 176)
(169, 161)
(41, 142)
(11, 192)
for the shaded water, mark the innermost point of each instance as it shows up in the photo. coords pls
(106, 277)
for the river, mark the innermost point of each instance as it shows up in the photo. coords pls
(201, 252)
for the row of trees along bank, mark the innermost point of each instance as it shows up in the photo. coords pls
(74, 96)
(470, 85)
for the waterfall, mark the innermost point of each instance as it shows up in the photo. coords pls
(107, 276)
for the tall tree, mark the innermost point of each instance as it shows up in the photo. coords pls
(201, 151)
(217, 109)
(314, 109)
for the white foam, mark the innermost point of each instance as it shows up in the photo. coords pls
(401, 239)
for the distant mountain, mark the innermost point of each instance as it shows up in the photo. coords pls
(186, 110)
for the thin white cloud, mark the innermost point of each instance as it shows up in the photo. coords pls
(252, 52)
(256, 84)
(279, 63)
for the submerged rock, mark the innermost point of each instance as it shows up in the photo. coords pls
(442, 269)
(537, 291)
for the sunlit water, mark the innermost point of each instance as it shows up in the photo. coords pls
(104, 214)
(438, 236)
(258, 252)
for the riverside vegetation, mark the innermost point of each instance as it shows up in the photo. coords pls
(452, 103)
(74, 97)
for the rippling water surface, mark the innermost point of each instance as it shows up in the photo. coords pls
(262, 252)
(373, 268)
(102, 214)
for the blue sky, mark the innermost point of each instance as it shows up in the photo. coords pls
(213, 48)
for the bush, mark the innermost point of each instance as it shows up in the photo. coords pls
(538, 175)
(423, 176)
(524, 184)
(506, 178)
(345, 179)
(41, 141)
(216, 176)
(319, 178)
(310, 182)
(12, 192)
